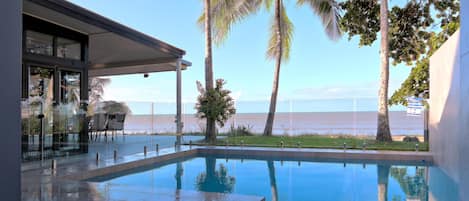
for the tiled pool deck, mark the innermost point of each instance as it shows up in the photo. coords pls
(66, 182)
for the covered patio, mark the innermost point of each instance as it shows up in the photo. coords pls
(88, 45)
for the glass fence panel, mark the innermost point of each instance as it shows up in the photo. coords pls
(50, 130)
(292, 117)
(128, 127)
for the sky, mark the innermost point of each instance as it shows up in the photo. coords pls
(318, 68)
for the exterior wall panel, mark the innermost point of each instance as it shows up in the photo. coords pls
(10, 89)
(449, 108)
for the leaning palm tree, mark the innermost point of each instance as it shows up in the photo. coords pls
(281, 37)
(226, 13)
(273, 181)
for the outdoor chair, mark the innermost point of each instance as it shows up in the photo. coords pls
(116, 122)
(98, 124)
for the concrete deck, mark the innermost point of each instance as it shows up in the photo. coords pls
(66, 182)
(125, 145)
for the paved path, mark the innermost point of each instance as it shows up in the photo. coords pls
(132, 144)
(124, 144)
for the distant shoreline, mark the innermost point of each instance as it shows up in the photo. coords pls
(259, 113)
(394, 137)
(295, 123)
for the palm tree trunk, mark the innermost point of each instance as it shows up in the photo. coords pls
(273, 98)
(210, 166)
(383, 174)
(179, 172)
(208, 46)
(383, 132)
(273, 181)
(210, 135)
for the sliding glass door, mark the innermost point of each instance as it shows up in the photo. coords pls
(51, 115)
(38, 112)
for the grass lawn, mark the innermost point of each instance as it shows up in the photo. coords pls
(318, 141)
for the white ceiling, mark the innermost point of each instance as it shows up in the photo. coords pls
(109, 53)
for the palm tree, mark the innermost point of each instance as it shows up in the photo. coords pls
(281, 37)
(383, 178)
(215, 181)
(210, 129)
(96, 86)
(383, 131)
(415, 186)
(178, 176)
(96, 93)
(222, 14)
(226, 13)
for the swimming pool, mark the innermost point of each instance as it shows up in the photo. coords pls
(277, 179)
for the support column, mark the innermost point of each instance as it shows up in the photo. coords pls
(179, 123)
(84, 137)
(10, 88)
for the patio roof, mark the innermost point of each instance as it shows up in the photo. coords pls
(114, 49)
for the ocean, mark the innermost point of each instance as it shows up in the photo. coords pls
(286, 123)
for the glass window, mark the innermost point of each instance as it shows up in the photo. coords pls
(39, 43)
(69, 49)
(70, 87)
(41, 93)
(41, 83)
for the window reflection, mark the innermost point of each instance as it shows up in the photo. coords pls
(39, 43)
(69, 49)
(41, 82)
(70, 87)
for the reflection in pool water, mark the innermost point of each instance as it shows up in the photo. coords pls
(283, 180)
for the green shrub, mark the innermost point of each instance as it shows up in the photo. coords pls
(240, 130)
(216, 104)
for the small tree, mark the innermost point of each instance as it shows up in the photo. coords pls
(214, 105)
(114, 107)
(96, 86)
(405, 29)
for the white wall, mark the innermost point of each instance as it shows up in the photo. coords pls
(464, 68)
(445, 106)
(449, 108)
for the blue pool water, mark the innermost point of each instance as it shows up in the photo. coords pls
(285, 180)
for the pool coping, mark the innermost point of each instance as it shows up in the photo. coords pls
(293, 154)
(72, 178)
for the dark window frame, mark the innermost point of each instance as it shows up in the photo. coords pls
(57, 76)
(34, 24)
(28, 67)
(60, 71)
(37, 32)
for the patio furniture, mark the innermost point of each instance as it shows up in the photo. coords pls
(106, 122)
(116, 122)
(98, 124)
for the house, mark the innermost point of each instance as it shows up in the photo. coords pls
(63, 45)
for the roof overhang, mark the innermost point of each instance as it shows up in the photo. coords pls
(133, 68)
(114, 49)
